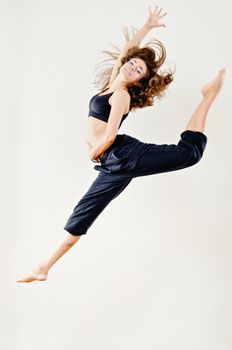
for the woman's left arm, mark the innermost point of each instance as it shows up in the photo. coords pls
(96, 151)
(100, 148)
(119, 103)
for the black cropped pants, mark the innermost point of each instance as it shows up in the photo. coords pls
(126, 159)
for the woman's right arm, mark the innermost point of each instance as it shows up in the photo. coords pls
(133, 42)
(138, 37)
(151, 22)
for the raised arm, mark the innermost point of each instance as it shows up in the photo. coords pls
(151, 22)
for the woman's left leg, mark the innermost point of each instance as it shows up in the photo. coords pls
(171, 157)
(191, 146)
(209, 92)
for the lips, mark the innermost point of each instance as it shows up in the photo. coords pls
(128, 72)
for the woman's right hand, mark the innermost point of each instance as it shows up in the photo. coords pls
(154, 17)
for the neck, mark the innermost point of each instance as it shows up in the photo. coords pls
(117, 84)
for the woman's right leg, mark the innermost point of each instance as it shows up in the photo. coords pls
(40, 273)
(102, 191)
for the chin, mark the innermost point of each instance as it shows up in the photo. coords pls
(125, 77)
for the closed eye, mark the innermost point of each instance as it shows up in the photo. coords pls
(133, 64)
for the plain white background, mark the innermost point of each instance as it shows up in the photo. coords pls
(154, 270)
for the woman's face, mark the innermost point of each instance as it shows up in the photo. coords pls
(134, 69)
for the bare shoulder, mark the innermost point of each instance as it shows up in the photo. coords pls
(120, 99)
(120, 95)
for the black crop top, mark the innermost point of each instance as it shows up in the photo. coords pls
(99, 107)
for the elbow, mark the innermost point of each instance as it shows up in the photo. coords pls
(110, 139)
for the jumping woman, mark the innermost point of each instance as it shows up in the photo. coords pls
(133, 82)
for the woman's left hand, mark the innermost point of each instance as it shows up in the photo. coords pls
(154, 17)
(92, 155)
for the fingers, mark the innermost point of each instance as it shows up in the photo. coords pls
(90, 145)
(159, 12)
(163, 15)
(156, 8)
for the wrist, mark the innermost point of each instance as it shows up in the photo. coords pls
(147, 26)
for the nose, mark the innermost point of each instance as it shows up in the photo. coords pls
(132, 67)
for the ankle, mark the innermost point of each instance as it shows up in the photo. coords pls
(43, 268)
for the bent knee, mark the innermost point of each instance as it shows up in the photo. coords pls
(194, 157)
(194, 142)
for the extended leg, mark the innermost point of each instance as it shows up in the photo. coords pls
(190, 148)
(40, 273)
(105, 188)
(209, 92)
(171, 157)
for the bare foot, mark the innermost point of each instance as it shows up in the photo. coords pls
(215, 85)
(38, 274)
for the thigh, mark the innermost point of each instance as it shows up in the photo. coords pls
(171, 157)
(161, 158)
(132, 157)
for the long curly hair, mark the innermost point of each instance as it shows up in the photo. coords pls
(149, 88)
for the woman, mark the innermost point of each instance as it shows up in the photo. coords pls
(134, 82)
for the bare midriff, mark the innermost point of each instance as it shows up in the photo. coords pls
(97, 130)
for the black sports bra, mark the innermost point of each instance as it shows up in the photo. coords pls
(99, 107)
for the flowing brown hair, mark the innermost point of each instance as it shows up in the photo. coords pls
(152, 85)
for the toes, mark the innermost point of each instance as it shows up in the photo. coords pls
(31, 279)
(26, 279)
